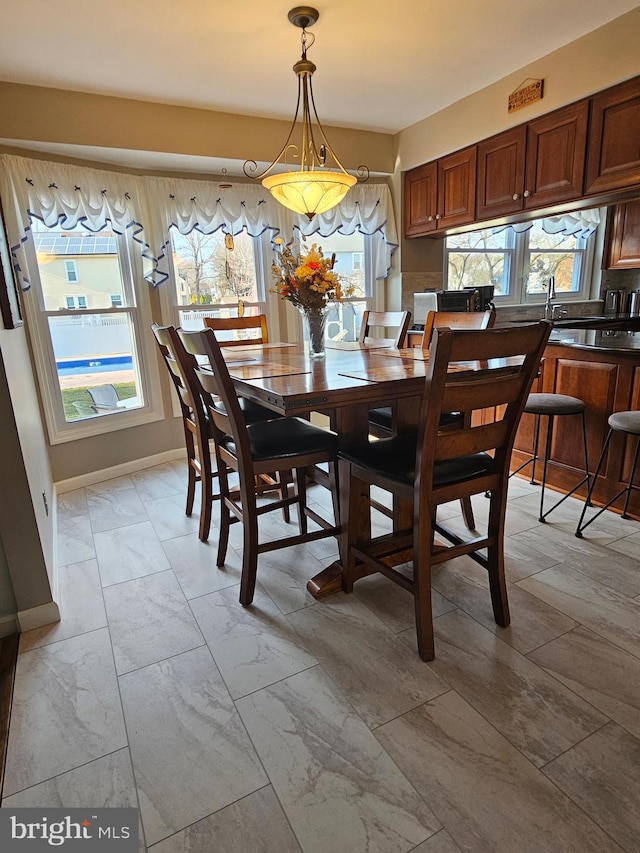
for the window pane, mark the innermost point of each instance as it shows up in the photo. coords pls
(92, 352)
(474, 269)
(564, 266)
(95, 264)
(539, 239)
(481, 240)
(210, 271)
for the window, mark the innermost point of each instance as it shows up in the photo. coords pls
(345, 319)
(71, 270)
(79, 349)
(75, 302)
(211, 275)
(519, 263)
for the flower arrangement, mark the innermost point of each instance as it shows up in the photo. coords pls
(306, 280)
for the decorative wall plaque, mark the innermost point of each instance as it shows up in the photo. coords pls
(526, 93)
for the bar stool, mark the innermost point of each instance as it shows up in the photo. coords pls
(552, 406)
(628, 423)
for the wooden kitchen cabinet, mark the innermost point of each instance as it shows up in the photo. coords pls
(623, 240)
(440, 194)
(420, 200)
(500, 182)
(614, 139)
(533, 165)
(556, 147)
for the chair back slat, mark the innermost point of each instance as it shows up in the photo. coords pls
(232, 324)
(481, 394)
(456, 320)
(398, 321)
(462, 442)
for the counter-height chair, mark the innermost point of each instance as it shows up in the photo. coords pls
(245, 325)
(288, 444)
(395, 323)
(196, 427)
(625, 423)
(382, 419)
(438, 466)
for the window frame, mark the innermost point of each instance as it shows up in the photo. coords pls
(136, 290)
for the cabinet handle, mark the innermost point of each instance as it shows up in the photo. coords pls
(515, 196)
(438, 216)
(430, 219)
(526, 193)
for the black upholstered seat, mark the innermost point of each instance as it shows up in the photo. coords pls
(284, 438)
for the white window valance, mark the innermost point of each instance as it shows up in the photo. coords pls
(579, 223)
(63, 195)
(366, 208)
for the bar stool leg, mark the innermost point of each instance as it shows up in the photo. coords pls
(586, 479)
(594, 479)
(631, 476)
(547, 454)
(534, 458)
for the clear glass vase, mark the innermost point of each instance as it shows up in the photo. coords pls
(315, 324)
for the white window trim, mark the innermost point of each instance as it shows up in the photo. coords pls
(60, 430)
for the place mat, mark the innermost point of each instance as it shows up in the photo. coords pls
(262, 371)
(412, 353)
(253, 347)
(354, 345)
(388, 373)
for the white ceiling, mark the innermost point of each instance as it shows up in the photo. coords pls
(381, 65)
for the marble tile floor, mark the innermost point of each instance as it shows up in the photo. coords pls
(313, 726)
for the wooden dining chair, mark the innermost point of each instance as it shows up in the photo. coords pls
(285, 445)
(197, 429)
(396, 322)
(382, 419)
(242, 325)
(436, 466)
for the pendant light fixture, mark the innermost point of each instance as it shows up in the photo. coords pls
(321, 181)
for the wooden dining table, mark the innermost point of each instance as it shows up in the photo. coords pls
(350, 380)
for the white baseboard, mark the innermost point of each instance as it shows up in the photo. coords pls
(92, 477)
(36, 617)
(9, 625)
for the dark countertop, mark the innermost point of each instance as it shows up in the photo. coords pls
(621, 322)
(593, 339)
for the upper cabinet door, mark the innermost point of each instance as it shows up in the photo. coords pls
(457, 188)
(623, 249)
(501, 173)
(556, 145)
(614, 139)
(420, 197)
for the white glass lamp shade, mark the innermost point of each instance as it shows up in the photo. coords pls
(309, 192)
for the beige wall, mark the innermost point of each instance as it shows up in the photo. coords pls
(53, 115)
(600, 59)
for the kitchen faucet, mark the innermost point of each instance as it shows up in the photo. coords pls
(551, 295)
